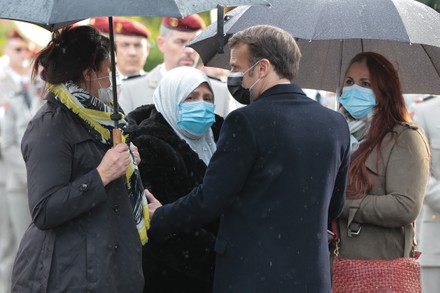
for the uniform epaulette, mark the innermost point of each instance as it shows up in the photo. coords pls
(133, 76)
(153, 83)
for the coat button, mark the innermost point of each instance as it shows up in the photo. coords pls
(116, 208)
(116, 247)
(83, 187)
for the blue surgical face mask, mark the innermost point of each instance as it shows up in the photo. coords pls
(358, 101)
(196, 117)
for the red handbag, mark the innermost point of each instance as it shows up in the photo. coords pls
(400, 275)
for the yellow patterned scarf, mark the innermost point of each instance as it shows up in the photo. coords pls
(96, 116)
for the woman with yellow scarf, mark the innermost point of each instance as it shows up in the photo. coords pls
(85, 200)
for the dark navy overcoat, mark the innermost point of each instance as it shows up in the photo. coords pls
(277, 177)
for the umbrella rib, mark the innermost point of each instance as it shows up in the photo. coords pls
(437, 70)
(338, 82)
(321, 11)
(50, 22)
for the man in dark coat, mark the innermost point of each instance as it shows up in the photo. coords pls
(277, 177)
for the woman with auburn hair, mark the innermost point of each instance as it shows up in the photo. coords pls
(389, 164)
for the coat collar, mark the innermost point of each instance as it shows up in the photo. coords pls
(281, 89)
(387, 145)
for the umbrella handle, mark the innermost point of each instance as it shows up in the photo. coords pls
(117, 136)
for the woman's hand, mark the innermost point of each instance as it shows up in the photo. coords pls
(153, 203)
(114, 164)
(136, 154)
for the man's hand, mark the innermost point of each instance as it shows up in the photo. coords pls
(153, 203)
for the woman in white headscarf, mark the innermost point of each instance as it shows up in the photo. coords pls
(176, 139)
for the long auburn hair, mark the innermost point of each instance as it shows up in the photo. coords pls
(390, 110)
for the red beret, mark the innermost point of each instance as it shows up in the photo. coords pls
(190, 23)
(123, 26)
(14, 34)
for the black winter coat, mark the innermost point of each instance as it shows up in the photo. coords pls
(170, 169)
(83, 236)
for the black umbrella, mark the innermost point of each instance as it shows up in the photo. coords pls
(331, 32)
(54, 14)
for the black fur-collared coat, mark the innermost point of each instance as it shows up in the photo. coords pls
(170, 169)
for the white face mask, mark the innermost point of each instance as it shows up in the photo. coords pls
(105, 94)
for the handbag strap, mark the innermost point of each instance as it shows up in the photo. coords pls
(354, 229)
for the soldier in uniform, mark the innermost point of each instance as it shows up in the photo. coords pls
(132, 46)
(175, 33)
(18, 100)
(427, 116)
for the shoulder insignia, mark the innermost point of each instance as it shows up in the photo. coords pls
(153, 83)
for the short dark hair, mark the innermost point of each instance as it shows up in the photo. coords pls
(70, 52)
(272, 43)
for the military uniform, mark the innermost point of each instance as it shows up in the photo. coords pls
(16, 103)
(129, 37)
(139, 91)
(427, 116)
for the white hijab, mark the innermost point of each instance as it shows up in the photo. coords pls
(173, 89)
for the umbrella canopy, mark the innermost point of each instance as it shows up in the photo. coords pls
(54, 14)
(331, 32)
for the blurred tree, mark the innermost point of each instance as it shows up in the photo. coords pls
(5, 26)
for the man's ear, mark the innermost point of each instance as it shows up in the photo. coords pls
(264, 68)
(161, 43)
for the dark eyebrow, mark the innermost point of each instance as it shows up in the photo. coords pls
(233, 65)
